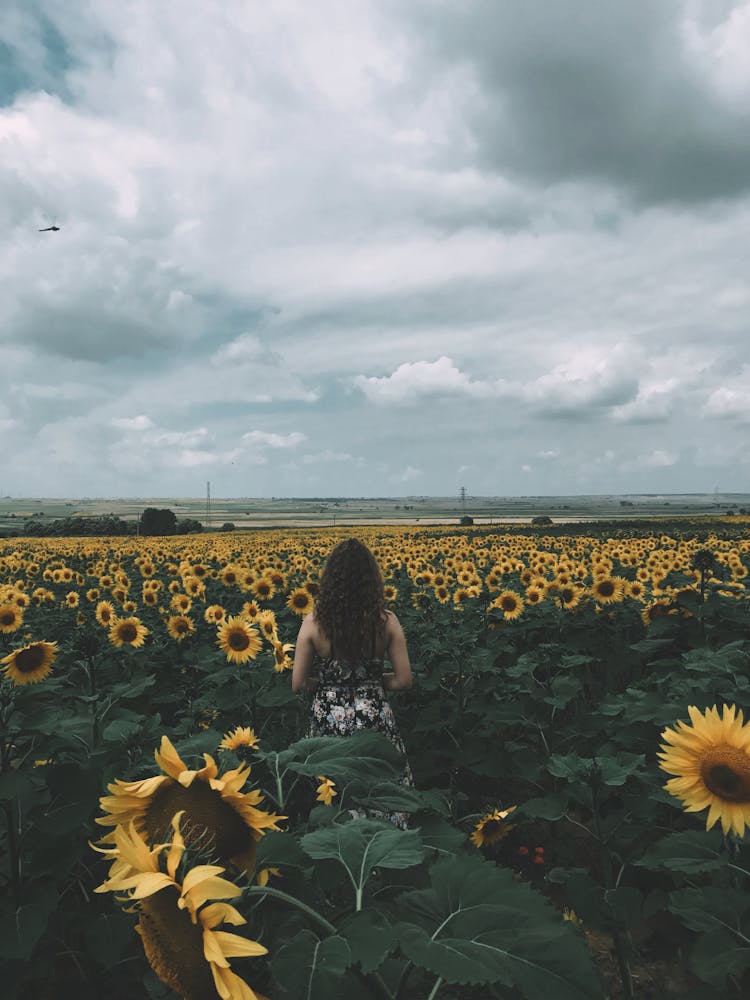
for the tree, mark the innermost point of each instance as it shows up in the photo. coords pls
(228, 526)
(156, 521)
(188, 526)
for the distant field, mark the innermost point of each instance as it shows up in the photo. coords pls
(322, 512)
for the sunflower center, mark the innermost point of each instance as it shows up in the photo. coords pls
(508, 604)
(128, 632)
(239, 641)
(7, 617)
(726, 772)
(300, 601)
(174, 946)
(606, 588)
(29, 659)
(209, 822)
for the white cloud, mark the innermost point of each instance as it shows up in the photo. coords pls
(421, 378)
(729, 402)
(659, 459)
(269, 439)
(139, 423)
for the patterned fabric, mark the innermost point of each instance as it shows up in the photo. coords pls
(351, 697)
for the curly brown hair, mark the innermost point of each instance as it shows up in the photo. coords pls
(350, 607)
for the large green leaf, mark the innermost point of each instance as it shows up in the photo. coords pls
(477, 924)
(690, 851)
(310, 968)
(370, 937)
(365, 756)
(390, 796)
(718, 954)
(710, 907)
(362, 845)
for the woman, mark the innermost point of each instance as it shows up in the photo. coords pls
(349, 634)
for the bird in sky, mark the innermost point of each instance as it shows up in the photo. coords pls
(50, 229)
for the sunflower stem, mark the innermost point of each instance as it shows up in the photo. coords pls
(14, 860)
(435, 988)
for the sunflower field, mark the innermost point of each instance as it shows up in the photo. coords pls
(575, 731)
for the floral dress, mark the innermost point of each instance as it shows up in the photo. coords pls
(351, 697)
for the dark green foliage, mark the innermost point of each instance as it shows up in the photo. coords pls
(158, 521)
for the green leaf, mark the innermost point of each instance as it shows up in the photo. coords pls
(710, 907)
(716, 955)
(551, 807)
(365, 755)
(120, 730)
(477, 924)
(370, 938)
(690, 851)
(439, 836)
(390, 796)
(108, 937)
(21, 929)
(364, 844)
(278, 850)
(310, 968)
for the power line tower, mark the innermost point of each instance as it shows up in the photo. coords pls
(208, 504)
(463, 501)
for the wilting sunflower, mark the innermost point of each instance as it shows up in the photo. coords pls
(238, 640)
(239, 737)
(218, 816)
(326, 790)
(127, 632)
(510, 603)
(176, 922)
(281, 659)
(31, 663)
(300, 602)
(711, 760)
(492, 827)
(180, 627)
(11, 617)
(656, 609)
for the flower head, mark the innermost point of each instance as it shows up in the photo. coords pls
(711, 761)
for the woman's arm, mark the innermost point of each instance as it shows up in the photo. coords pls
(304, 652)
(397, 653)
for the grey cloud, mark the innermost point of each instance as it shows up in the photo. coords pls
(586, 90)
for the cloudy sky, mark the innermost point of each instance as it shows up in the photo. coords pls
(374, 247)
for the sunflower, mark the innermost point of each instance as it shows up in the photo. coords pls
(177, 924)
(238, 640)
(72, 599)
(229, 576)
(218, 816)
(267, 622)
(711, 761)
(31, 663)
(250, 610)
(569, 597)
(656, 609)
(534, 595)
(326, 791)
(127, 632)
(180, 627)
(263, 588)
(11, 617)
(389, 592)
(105, 613)
(93, 594)
(510, 603)
(214, 614)
(239, 737)
(492, 827)
(300, 602)
(181, 603)
(282, 660)
(607, 590)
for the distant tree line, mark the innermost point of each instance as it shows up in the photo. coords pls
(153, 521)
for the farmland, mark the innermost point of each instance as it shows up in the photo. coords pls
(544, 853)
